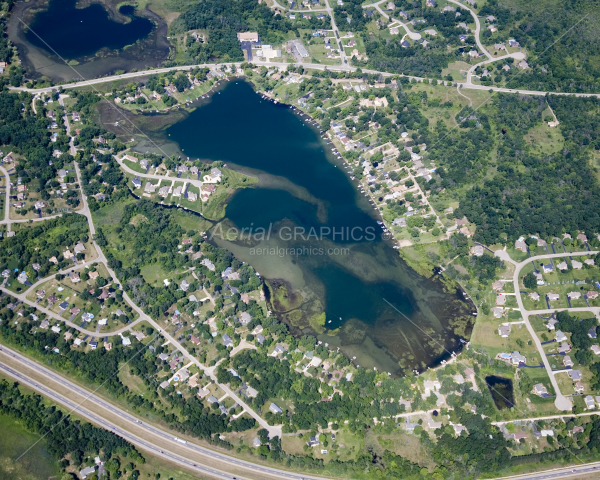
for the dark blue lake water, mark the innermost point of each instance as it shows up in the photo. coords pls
(73, 33)
(302, 185)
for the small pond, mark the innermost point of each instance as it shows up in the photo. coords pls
(501, 389)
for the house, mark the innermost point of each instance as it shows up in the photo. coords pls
(184, 285)
(275, 409)
(592, 333)
(553, 296)
(498, 285)
(430, 3)
(245, 318)
(227, 340)
(562, 265)
(432, 424)
(579, 387)
(149, 187)
(192, 197)
(208, 264)
(74, 276)
(516, 358)
(501, 299)
(260, 338)
(430, 31)
(548, 268)
(22, 278)
(448, 8)
(564, 347)
(595, 349)
(164, 191)
(137, 183)
(576, 265)
(498, 312)
(547, 433)
(279, 349)
(131, 158)
(540, 390)
(404, 44)
(575, 375)
(504, 331)
(535, 296)
(520, 244)
(126, 341)
(87, 471)
(574, 295)
(590, 261)
(178, 191)
(593, 294)
(560, 336)
(431, 386)
(478, 250)
(313, 442)
(522, 64)
(589, 402)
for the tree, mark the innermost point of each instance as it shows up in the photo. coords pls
(530, 281)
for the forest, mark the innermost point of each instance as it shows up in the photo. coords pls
(41, 241)
(561, 40)
(534, 193)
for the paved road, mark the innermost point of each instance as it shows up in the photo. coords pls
(336, 32)
(477, 28)
(196, 183)
(7, 200)
(281, 65)
(516, 56)
(100, 411)
(561, 402)
(93, 408)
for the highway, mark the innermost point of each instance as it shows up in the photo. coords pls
(89, 406)
(99, 411)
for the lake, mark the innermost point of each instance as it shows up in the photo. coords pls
(85, 30)
(60, 41)
(324, 251)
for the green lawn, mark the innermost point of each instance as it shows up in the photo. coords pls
(15, 441)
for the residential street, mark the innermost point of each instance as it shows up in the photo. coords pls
(562, 402)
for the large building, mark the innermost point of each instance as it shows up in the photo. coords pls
(247, 37)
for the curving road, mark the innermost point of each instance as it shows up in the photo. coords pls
(477, 28)
(562, 402)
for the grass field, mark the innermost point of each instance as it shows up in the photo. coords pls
(15, 440)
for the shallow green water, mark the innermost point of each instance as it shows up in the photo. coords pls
(73, 33)
(351, 273)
